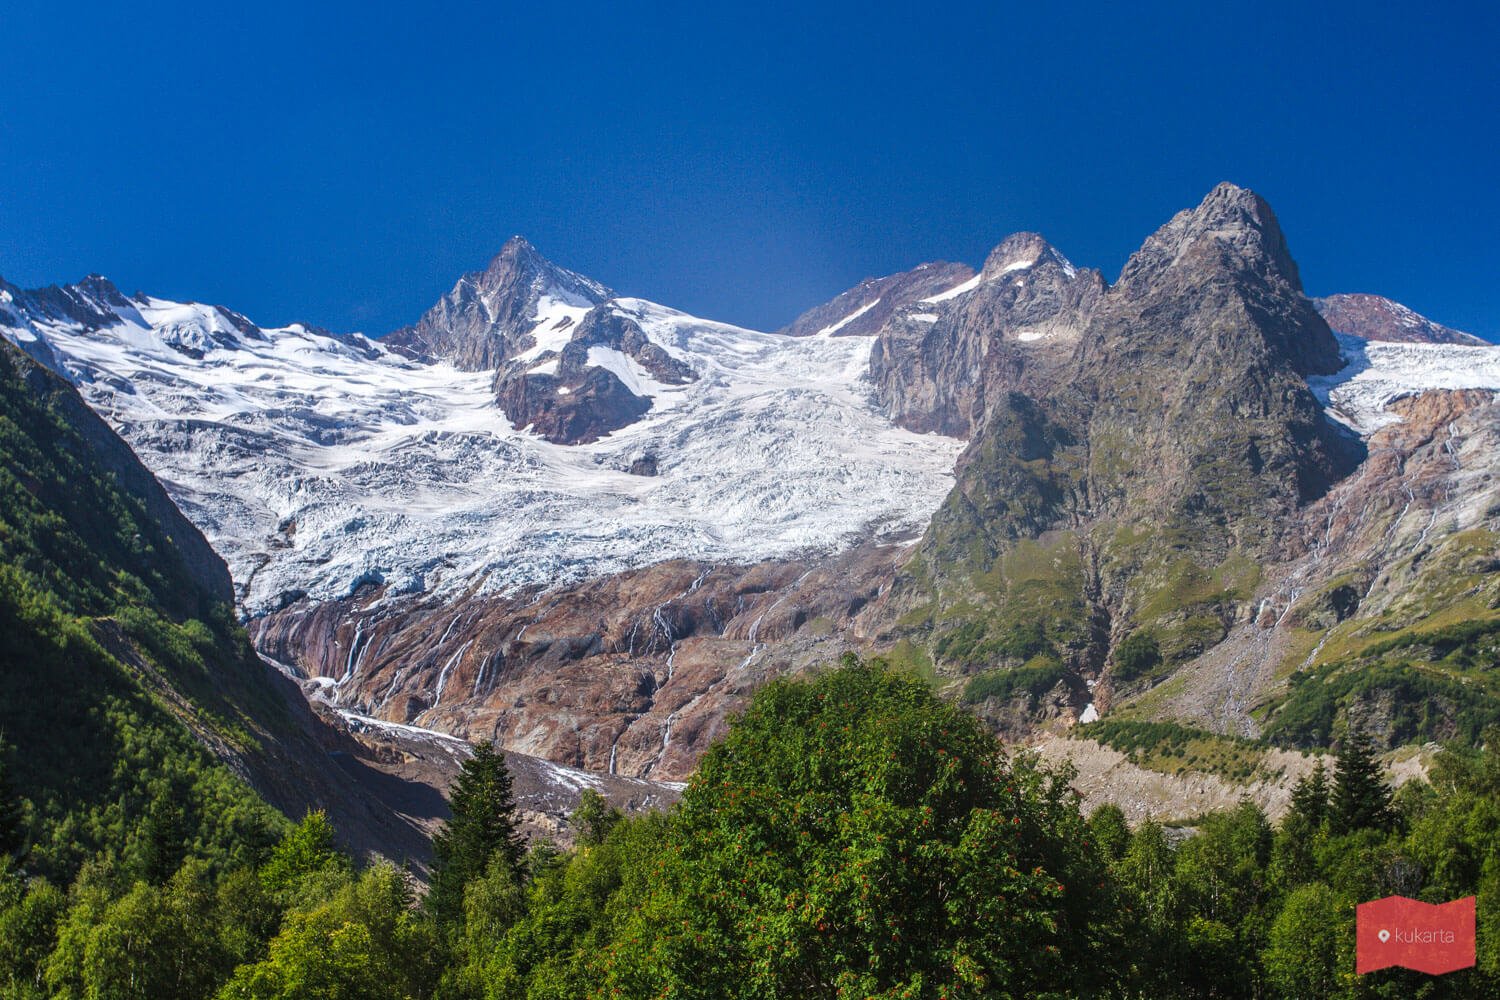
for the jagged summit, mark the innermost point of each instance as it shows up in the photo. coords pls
(1233, 225)
(1020, 251)
(864, 309)
(489, 316)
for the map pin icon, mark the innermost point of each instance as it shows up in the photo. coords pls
(1384, 936)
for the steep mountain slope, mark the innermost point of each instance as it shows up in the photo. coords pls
(136, 714)
(1182, 484)
(518, 301)
(941, 363)
(865, 308)
(1373, 317)
(135, 705)
(1180, 434)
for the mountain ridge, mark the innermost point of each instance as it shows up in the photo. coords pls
(1127, 454)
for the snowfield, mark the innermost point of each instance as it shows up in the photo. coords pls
(316, 463)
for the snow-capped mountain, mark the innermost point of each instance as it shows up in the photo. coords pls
(316, 463)
(594, 523)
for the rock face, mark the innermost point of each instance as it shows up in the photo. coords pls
(1151, 477)
(1338, 632)
(493, 314)
(865, 308)
(1374, 317)
(633, 674)
(939, 364)
(577, 394)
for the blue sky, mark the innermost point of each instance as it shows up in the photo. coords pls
(344, 164)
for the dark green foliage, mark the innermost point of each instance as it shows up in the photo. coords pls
(973, 644)
(305, 856)
(852, 836)
(594, 818)
(1173, 747)
(482, 826)
(1137, 655)
(107, 767)
(1109, 831)
(366, 941)
(114, 651)
(1310, 797)
(12, 828)
(855, 835)
(1439, 684)
(1038, 676)
(1361, 799)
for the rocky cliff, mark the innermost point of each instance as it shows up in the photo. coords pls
(942, 363)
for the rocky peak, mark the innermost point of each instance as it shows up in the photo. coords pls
(1374, 317)
(101, 290)
(1022, 251)
(941, 363)
(1226, 261)
(1233, 228)
(493, 314)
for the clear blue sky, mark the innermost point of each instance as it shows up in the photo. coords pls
(343, 164)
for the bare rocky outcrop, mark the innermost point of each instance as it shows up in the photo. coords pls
(632, 674)
(941, 364)
(1375, 317)
(567, 398)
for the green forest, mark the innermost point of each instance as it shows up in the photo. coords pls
(852, 836)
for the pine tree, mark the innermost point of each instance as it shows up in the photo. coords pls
(483, 824)
(1360, 797)
(1310, 797)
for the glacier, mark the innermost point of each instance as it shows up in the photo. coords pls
(316, 463)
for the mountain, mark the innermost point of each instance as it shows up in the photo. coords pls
(865, 308)
(519, 301)
(319, 464)
(941, 363)
(1372, 317)
(1057, 498)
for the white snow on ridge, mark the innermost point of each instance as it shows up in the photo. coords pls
(1377, 373)
(956, 290)
(830, 330)
(315, 463)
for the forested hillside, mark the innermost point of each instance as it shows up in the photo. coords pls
(853, 836)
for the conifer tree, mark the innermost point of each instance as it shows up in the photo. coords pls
(483, 824)
(1310, 796)
(1360, 797)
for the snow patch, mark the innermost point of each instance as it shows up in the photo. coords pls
(829, 331)
(957, 290)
